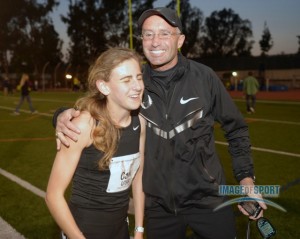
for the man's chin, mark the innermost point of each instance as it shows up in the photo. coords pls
(157, 63)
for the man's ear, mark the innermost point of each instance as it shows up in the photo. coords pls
(180, 41)
(102, 87)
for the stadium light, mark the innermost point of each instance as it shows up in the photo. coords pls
(68, 76)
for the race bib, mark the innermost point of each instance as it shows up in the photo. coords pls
(122, 171)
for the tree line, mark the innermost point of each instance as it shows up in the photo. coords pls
(29, 40)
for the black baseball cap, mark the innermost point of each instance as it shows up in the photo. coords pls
(168, 14)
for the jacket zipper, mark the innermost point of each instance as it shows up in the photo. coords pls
(173, 181)
(212, 178)
(166, 118)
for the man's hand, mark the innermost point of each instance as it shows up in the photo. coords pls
(248, 182)
(65, 128)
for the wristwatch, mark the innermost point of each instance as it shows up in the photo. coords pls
(139, 229)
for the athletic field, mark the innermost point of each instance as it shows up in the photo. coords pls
(27, 150)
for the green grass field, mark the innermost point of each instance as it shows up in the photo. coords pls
(27, 150)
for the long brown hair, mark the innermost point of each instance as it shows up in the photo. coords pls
(106, 134)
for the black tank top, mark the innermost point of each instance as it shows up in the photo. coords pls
(107, 189)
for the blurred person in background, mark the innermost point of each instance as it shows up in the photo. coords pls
(250, 88)
(76, 84)
(6, 86)
(25, 90)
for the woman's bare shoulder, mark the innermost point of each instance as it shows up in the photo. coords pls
(84, 121)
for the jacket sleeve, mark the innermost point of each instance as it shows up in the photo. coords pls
(235, 128)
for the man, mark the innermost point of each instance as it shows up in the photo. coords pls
(250, 87)
(182, 171)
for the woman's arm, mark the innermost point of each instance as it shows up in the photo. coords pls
(137, 186)
(64, 166)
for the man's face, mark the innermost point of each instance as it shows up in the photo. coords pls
(161, 51)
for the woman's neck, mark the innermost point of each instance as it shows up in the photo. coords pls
(121, 119)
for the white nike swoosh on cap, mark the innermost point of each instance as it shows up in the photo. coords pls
(182, 101)
(136, 127)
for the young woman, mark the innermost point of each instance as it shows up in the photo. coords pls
(107, 157)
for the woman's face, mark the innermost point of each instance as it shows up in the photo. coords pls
(125, 86)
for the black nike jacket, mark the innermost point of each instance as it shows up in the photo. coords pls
(182, 168)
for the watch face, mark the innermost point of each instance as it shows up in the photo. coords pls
(265, 228)
(139, 229)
